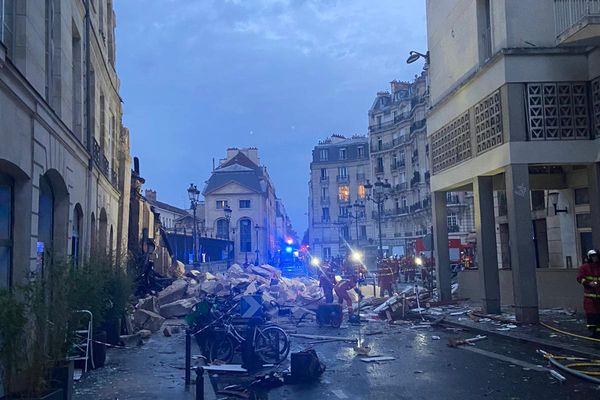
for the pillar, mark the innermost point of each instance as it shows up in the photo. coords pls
(440, 236)
(521, 244)
(594, 191)
(487, 255)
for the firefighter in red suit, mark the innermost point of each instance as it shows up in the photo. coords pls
(589, 276)
(352, 273)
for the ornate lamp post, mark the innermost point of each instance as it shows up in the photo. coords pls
(358, 207)
(378, 194)
(227, 211)
(194, 195)
(256, 229)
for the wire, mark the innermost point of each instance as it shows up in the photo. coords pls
(569, 333)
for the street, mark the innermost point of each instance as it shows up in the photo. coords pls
(496, 368)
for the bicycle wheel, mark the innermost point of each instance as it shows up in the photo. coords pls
(271, 345)
(222, 349)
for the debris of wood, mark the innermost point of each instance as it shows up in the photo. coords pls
(376, 359)
(458, 342)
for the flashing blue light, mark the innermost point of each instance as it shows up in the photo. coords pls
(288, 249)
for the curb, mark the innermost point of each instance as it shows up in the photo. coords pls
(575, 350)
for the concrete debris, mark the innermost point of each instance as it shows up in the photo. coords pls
(174, 291)
(131, 340)
(178, 308)
(144, 333)
(376, 359)
(167, 331)
(149, 303)
(144, 319)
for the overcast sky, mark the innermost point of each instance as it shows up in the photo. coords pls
(199, 76)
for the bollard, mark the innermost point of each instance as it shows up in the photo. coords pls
(188, 357)
(199, 383)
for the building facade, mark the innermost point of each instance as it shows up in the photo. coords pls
(64, 157)
(515, 119)
(241, 184)
(339, 170)
(400, 154)
(171, 217)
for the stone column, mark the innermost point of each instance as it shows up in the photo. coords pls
(487, 254)
(594, 191)
(522, 250)
(440, 235)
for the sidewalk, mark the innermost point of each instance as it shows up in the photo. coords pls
(536, 334)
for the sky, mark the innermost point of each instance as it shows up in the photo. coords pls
(199, 76)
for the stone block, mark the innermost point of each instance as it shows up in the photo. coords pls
(173, 292)
(178, 308)
(144, 319)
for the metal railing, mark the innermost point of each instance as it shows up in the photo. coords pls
(342, 178)
(567, 13)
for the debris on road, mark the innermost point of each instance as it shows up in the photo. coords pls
(458, 342)
(376, 359)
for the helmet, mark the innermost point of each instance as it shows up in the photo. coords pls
(592, 252)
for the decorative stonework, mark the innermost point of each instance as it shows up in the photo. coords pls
(488, 123)
(558, 111)
(596, 105)
(451, 144)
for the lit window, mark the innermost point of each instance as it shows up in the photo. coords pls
(244, 203)
(361, 191)
(344, 193)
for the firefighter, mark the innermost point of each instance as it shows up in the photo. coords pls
(327, 282)
(385, 277)
(589, 276)
(352, 274)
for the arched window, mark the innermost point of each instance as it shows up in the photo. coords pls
(76, 235)
(102, 232)
(93, 233)
(222, 229)
(110, 242)
(245, 235)
(6, 228)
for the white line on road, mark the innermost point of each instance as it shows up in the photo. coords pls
(507, 359)
(340, 394)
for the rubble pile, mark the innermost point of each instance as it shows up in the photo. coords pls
(178, 299)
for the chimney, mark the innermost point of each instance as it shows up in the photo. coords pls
(150, 195)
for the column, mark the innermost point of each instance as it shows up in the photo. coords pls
(485, 226)
(440, 236)
(521, 244)
(594, 191)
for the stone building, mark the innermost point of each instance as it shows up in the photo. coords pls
(241, 184)
(171, 217)
(515, 118)
(338, 172)
(400, 154)
(64, 154)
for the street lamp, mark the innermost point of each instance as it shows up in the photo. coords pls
(358, 207)
(378, 194)
(194, 195)
(256, 228)
(227, 211)
(415, 55)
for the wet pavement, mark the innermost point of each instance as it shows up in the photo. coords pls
(425, 367)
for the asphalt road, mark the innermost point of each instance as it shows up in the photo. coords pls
(424, 368)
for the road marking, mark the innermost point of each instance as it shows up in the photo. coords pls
(340, 394)
(507, 359)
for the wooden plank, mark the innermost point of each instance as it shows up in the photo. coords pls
(376, 359)
(225, 368)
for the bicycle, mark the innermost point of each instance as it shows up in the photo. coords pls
(270, 343)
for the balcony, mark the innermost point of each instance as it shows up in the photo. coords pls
(324, 179)
(325, 200)
(379, 170)
(577, 22)
(343, 179)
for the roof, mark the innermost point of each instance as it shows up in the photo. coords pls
(221, 177)
(240, 159)
(168, 207)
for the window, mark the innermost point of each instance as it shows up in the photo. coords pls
(244, 203)
(325, 217)
(326, 253)
(345, 232)
(360, 152)
(45, 217)
(324, 194)
(342, 153)
(363, 231)
(245, 235)
(404, 202)
(77, 82)
(361, 191)
(379, 164)
(343, 211)
(582, 196)
(342, 172)
(485, 29)
(221, 204)
(584, 221)
(379, 121)
(76, 235)
(222, 229)
(538, 200)
(379, 144)
(7, 25)
(323, 173)
(452, 220)
(344, 193)
(6, 229)
(324, 154)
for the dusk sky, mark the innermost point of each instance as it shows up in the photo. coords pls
(199, 76)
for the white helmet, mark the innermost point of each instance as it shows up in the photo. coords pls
(592, 253)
